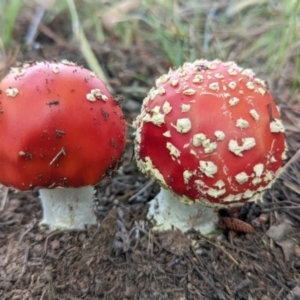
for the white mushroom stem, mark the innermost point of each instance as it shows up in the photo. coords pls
(68, 208)
(169, 212)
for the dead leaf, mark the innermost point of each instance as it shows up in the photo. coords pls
(294, 294)
(288, 248)
(279, 232)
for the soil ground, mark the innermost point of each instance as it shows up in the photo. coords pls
(123, 258)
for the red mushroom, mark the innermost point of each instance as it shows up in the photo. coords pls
(211, 134)
(61, 132)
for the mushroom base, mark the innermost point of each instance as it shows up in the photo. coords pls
(169, 212)
(68, 208)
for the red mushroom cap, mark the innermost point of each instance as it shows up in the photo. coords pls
(59, 126)
(210, 132)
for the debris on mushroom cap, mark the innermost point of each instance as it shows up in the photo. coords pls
(59, 126)
(219, 140)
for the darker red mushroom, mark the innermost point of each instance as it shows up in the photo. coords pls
(59, 128)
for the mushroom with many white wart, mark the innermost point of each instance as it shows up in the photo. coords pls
(211, 135)
(60, 132)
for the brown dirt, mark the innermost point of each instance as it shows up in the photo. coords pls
(123, 258)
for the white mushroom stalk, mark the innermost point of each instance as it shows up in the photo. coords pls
(209, 133)
(68, 208)
(169, 212)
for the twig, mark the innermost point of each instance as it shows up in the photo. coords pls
(291, 161)
(278, 282)
(264, 210)
(49, 236)
(271, 222)
(294, 294)
(205, 278)
(25, 261)
(43, 294)
(291, 186)
(126, 195)
(174, 262)
(279, 294)
(294, 198)
(144, 188)
(222, 248)
(59, 231)
(56, 38)
(8, 223)
(154, 240)
(296, 217)
(61, 152)
(233, 247)
(284, 202)
(4, 198)
(26, 231)
(196, 255)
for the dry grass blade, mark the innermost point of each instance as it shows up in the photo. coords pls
(8, 19)
(223, 250)
(34, 25)
(236, 8)
(85, 47)
(7, 58)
